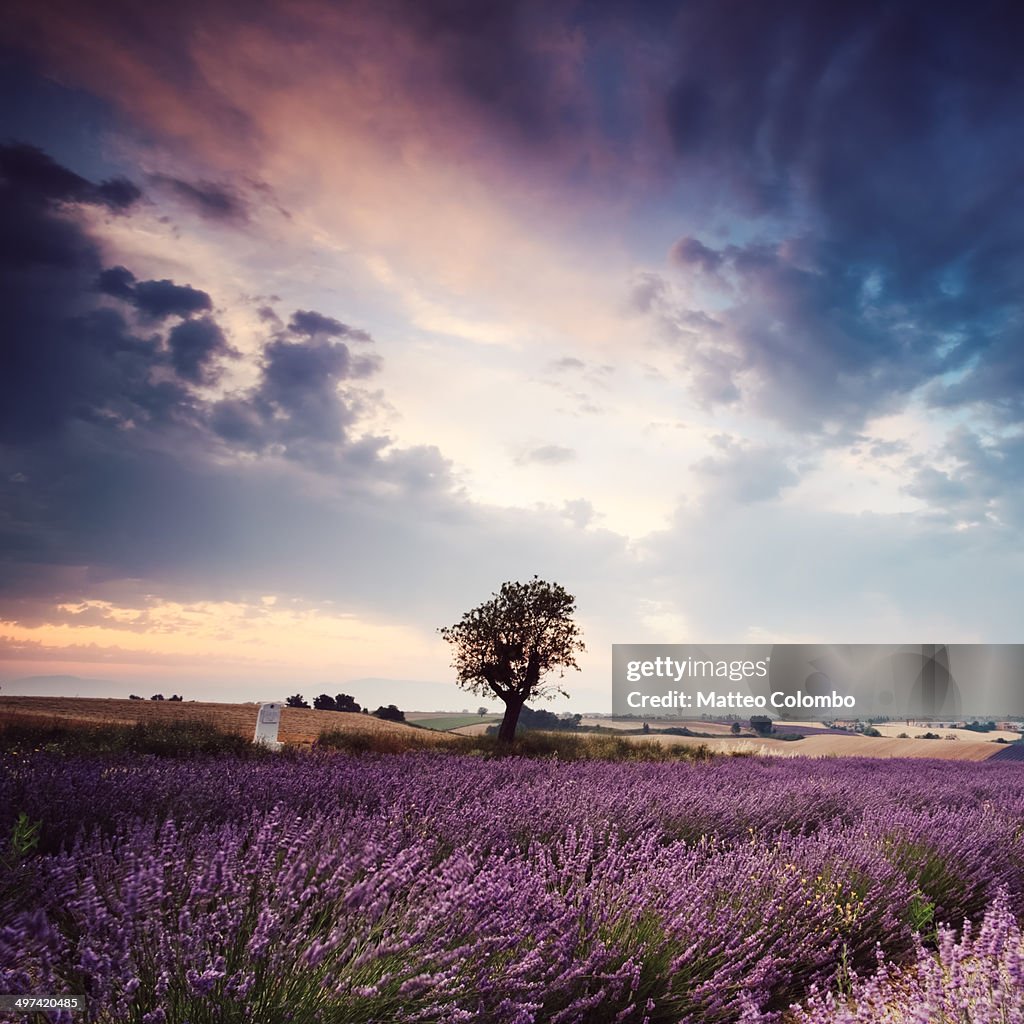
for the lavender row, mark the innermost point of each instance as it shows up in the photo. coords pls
(438, 888)
(509, 800)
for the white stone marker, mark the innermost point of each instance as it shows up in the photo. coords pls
(267, 723)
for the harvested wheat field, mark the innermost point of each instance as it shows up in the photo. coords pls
(832, 745)
(304, 725)
(629, 724)
(298, 725)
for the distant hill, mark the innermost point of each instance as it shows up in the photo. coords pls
(68, 686)
(407, 694)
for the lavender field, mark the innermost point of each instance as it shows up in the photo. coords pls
(436, 887)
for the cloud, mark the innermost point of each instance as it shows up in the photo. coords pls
(39, 180)
(883, 135)
(745, 473)
(546, 455)
(568, 363)
(155, 300)
(844, 182)
(298, 406)
(691, 252)
(972, 479)
(792, 572)
(209, 200)
(67, 357)
(579, 512)
(117, 473)
(309, 324)
(196, 346)
(425, 188)
(801, 338)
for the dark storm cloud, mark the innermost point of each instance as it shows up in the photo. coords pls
(209, 200)
(38, 179)
(299, 385)
(155, 300)
(994, 380)
(74, 362)
(118, 282)
(195, 347)
(804, 338)
(64, 357)
(161, 299)
(500, 59)
(297, 406)
(881, 137)
(892, 133)
(309, 324)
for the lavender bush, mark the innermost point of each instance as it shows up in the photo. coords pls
(979, 980)
(443, 888)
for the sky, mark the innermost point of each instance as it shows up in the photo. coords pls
(322, 320)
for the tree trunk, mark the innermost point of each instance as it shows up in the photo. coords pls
(507, 731)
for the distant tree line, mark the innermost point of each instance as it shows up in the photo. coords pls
(345, 702)
(156, 696)
(341, 702)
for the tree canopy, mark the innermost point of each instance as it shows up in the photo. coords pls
(389, 713)
(507, 645)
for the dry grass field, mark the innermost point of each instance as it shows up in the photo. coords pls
(303, 725)
(831, 745)
(711, 728)
(895, 728)
(298, 725)
(476, 729)
(972, 748)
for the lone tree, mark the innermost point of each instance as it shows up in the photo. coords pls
(507, 645)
